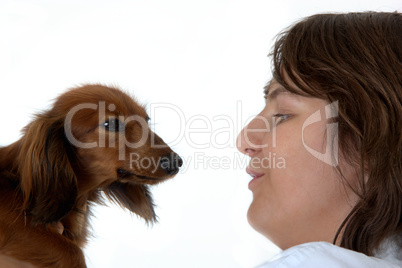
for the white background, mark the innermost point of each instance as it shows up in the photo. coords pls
(208, 58)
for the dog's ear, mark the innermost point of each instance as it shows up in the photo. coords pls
(48, 182)
(135, 197)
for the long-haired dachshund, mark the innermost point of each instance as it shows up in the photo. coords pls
(94, 139)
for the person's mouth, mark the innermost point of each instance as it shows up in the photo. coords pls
(255, 177)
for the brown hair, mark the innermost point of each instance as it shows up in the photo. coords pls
(355, 59)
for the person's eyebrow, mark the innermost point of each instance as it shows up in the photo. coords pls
(271, 94)
(267, 87)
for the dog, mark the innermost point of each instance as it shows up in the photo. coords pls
(94, 143)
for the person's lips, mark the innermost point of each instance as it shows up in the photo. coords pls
(255, 175)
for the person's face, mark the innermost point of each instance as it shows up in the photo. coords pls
(298, 196)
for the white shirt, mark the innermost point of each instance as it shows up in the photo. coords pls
(326, 255)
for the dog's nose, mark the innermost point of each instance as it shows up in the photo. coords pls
(171, 163)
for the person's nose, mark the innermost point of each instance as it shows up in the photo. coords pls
(250, 140)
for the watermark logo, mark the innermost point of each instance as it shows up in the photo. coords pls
(201, 132)
(203, 161)
(330, 156)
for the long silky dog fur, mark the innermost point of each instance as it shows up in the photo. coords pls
(46, 179)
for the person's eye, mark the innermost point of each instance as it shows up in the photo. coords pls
(280, 118)
(113, 124)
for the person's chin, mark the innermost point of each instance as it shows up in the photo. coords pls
(254, 217)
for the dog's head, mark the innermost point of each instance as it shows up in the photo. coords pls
(94, 138)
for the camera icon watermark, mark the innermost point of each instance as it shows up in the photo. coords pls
(330, 156)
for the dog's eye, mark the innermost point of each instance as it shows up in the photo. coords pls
(147, 119)
(113, 125)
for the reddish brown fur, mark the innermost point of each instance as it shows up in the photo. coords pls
(44, 179)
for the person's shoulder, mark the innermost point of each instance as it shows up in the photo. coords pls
(323, 254)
